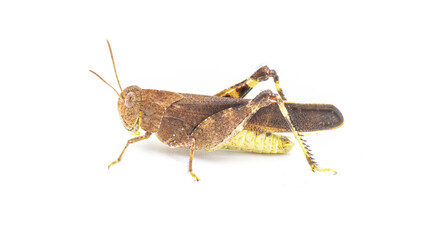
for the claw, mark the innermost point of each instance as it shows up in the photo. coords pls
(113, 163)
(194, 176)
(316, 168)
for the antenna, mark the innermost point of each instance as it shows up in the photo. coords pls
(115, 70)
(104, 81)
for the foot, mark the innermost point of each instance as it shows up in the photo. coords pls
(316, 168)
(113, 163)
(194, 176)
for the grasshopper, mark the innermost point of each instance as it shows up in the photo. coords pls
(225, 120)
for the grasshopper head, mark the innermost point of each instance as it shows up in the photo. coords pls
(129, 107)
(129, 102)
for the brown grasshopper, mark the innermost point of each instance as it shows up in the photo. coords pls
(226, 120)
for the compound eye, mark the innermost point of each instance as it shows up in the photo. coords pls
(130, 99)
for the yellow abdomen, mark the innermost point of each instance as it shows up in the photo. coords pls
(259, 142)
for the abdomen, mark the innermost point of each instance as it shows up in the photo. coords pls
(259, 142)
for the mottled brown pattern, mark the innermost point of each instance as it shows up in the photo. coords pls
(154, 104)
(184, 116)
(306, 117)
(220, 127)
(193, 109)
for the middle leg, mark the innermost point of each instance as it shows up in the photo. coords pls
(191, 155)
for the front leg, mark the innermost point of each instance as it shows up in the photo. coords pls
(241, 89)
(132, 140)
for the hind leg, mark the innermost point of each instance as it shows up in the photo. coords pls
(299, 137)
(214, 131)
(241, 89)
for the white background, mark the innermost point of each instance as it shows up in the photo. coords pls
(60, 127)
